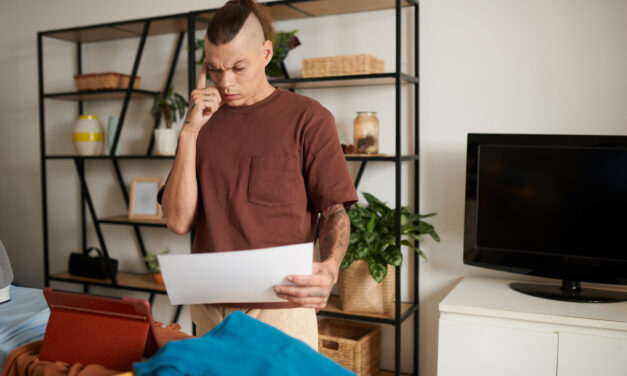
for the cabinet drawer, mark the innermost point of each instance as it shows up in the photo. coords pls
(584, 354)
(467, 348)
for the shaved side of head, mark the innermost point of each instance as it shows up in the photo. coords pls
(252, 31)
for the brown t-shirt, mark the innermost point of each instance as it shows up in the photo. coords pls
(265, 171)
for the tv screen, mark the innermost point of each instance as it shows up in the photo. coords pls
(548, 205)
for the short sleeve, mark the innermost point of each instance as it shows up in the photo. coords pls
(160, 194)
(162, 189)
(326, 172)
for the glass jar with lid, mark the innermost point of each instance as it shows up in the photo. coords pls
(366, 132)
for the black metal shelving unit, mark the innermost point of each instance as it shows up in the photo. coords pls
(185, 24)
(141, 30)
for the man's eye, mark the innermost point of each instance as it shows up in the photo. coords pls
(238, 69)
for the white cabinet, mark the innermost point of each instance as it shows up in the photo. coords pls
(487, 329)
(585, 355)
(468, 348)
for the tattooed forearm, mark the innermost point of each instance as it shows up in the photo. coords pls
(334, 233)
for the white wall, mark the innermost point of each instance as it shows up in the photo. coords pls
(506, 66)
(551, 66)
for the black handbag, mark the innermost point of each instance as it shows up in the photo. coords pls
(87, 265)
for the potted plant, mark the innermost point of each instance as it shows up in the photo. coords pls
(152, 264)
(372, 254)
(282, 42)
(170, 106)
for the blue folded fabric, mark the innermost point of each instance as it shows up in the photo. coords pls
(239, 345)
(23, 319)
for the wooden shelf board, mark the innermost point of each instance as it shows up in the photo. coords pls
(99, 95)
(287, 10)
(335, 81)
(330, 7)
(333, 305)
(164, 26)
(122, 30)
(380, 157)
(373, 79)
(125, 280)
(91, 34)
(349, 157)
(280, 10)
(122, 219)
(374, 158)
(128, 156)
(366, 155)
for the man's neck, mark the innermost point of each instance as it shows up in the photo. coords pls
(264, 91)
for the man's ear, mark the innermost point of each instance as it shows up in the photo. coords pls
(267, 50)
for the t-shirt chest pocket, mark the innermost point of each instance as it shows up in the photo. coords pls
(272, 180)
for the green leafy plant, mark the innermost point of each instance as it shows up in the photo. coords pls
(152, 262)
(200, 45)
(373, 236)
(282, 43)
(169, 105)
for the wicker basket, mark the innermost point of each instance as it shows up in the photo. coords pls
(341, 65)
(103, 81)
(355, 346)
(125, 78)
(360, 293)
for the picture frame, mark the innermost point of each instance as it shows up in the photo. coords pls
(143, 199)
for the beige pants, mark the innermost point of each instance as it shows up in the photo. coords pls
(300, 323)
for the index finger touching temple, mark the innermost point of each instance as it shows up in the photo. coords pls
(202, 77)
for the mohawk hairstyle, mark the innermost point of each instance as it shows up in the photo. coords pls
(229, 19)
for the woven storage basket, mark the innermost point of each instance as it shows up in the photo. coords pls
(103, 81)
(341, 65)
(355, 346)
(125, 78)
(360, 293)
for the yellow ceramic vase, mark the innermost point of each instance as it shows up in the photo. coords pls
(88, 136)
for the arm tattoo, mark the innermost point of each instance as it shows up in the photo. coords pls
(190, 110)
(334, 233)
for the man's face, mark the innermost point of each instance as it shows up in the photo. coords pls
(237, 68)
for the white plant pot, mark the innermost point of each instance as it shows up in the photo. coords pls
(88, 135)
(165, 141)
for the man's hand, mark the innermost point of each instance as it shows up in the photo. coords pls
(204, 102)
(312, 291)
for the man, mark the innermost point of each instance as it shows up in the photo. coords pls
(255, 166)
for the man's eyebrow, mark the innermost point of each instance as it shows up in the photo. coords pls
(211, 66)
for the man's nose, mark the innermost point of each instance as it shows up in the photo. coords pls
(228, 78)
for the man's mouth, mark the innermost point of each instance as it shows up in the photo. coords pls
(230, 97)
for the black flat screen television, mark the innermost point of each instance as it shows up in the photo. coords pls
(551, 206)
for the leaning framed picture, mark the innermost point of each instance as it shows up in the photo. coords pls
(143, 199)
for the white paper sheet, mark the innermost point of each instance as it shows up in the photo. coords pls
(233, 277)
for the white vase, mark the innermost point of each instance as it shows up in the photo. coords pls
(165, 141)
(88, 136)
